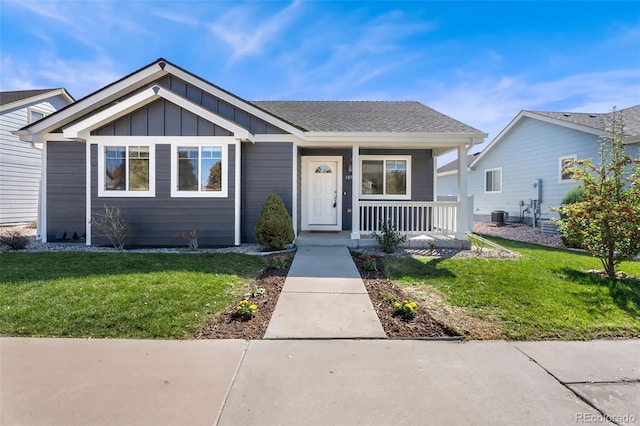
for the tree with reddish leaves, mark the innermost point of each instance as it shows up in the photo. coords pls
(607, 218)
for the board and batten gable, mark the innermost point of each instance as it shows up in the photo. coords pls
(531, 150)
(21, 162)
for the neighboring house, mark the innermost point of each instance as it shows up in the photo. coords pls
(520, 171)
(176, 153)
(21, 162)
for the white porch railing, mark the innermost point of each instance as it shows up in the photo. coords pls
(410, 218)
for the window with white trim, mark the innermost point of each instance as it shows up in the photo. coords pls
(564, 165)
(199, 171)
(35, 115)
(493, 180)
(126, 170)
(385, 177)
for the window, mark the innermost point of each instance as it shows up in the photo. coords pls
(126, 171)
(199, 171)
(388, 177)
(493, 180)
(35, 115)
(563, 174)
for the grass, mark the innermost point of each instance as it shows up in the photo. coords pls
(124, 295)
(545, 294)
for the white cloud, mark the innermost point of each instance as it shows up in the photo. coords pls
(176, 17)
(247, 34)
(79, 77)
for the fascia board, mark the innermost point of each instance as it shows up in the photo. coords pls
(37, 98)
(233, 100)
(433, 139)
(112, 113)
(99, 98)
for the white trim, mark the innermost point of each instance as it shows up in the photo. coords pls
(38, 98)
(102, 192)
(294, 190)
(203, 141)
(485, 181)
(87, 183)
(42, 220)
(463, 194)
(100, 98)
(573, 157)
(305, 196)
(31, 110)
(529, 114)
(384, 159)
(355, 192)
(238, 191)
(233, 100)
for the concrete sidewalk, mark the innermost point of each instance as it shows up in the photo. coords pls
(324, 297)
(321, 382)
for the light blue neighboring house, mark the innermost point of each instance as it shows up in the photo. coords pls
(520, 171)
(21, 162)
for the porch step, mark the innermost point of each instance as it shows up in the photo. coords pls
(326, 239)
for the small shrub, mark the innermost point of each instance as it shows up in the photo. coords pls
(574, 195)
(274, 228)
(14, 239)
(407, 309)
(389, 238)
(192, 238)
(369, 263)
(256, 292)
(388, 297)
(112, 226)
(246, 310)
(279, 262)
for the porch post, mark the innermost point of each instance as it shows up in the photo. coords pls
(238, 192)
(463, 204)
(355, 191)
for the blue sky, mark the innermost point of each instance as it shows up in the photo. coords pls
(479, 62)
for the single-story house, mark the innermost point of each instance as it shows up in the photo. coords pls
(521, 171)
(177, 153)
(20, 162)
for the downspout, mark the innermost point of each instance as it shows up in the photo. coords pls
(41, 231)
(294, 191)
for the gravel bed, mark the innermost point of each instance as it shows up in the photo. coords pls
(519, 232)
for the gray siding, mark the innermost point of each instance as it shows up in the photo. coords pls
(347, 186)
(155, 221)
(21, 164)
(421, 170)
(266, 168)
(161, 118)
(66, 207)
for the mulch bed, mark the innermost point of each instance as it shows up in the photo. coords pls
(383, 292)
(227, 326)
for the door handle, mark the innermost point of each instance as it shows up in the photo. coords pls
(335, 199)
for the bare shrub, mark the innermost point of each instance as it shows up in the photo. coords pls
(112, 226)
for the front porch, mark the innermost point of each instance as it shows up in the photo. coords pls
(425, 224)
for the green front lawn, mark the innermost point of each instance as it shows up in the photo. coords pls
(127, 295)
(545, 294)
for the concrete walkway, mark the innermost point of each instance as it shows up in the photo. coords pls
(317, 382)
(324, 297)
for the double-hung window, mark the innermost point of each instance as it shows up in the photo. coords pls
(126, 171)
(199, 171)
(385, 177)
(493, 180)
(565, 174)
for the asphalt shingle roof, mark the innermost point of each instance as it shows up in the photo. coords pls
(364, 116)
(595, 120)
(18, 95)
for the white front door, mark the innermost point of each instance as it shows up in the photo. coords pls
(322, 200)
